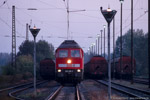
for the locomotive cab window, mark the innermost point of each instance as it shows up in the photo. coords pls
(75, 53)
(63, 53)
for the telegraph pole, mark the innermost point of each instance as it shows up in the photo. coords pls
(132, 41)
(92, 49)
(114, 47)
(149, 40)
(68, 19)
(101, 41)
(68, 11)
(121, 1)
(13, 38)
(98, 43)
(96, 47)
(27, 26)
(104, 39)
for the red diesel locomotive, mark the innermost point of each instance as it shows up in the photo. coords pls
(69, 62)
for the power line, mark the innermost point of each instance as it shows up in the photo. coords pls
(15, 18)
(133, 21)
(46, 3)
(5, 22)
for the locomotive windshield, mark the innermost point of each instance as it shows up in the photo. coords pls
(63, 53)
(75, 53)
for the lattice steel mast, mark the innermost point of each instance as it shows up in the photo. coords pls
(13, 38)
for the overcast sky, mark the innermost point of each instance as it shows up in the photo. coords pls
(51, 17)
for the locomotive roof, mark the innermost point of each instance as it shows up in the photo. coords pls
(69, 44)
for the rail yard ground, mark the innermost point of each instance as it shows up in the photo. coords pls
(134, 85)
(88, 90)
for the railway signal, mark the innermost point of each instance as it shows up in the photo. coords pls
(108, 15)
(34, 32)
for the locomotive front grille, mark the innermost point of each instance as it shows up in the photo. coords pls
(69, 71)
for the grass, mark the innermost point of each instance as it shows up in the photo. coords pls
(30, 95)
(11, 80)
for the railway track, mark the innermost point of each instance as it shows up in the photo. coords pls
(132, 93)
(13, 93)
(14, 87)
(9, 93)
(141, 80)
(60, 93)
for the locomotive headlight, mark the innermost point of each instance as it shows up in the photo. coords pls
(59, 70)
(78, 70)
(69, 61)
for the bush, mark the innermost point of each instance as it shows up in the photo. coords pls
(8, 70)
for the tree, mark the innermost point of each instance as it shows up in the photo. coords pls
(24, 64)
(43, 49)
(26, 48)
(23, 70)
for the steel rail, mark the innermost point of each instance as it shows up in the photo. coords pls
(135, 89)
(11, 94)
(78, 95)
(129, 93)
(17, 86)
(54, 95)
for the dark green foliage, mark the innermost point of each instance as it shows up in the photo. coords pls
(24, 64)
(43, 49)
(26, 48)
(8, 70)
(24, 60)
(140, 50)
(5, 58)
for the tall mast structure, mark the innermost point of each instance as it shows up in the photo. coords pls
(27, 28)
(68, 19)
(68, 11)
(13, 38)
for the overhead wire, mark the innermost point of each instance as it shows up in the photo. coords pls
(16, 19)
(5, 22)
(129, 17)
(46, 3)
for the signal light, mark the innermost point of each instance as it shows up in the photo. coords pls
(69, 61)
